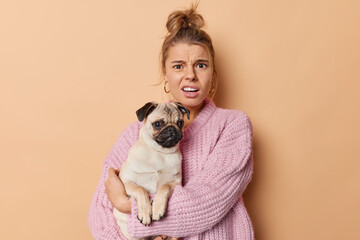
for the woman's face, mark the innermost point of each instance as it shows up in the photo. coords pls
(189, 73)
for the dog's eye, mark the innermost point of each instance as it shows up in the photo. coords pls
(158, 125)
(180, 123)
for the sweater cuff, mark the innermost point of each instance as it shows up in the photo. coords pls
(135, 228)
(132, 218)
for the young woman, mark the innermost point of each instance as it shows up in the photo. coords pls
(216, 149)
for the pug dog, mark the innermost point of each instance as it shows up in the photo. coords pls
(153, 164)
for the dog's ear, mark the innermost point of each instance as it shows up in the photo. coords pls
(143, 112)
(183, 109)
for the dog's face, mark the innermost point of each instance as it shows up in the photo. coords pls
(163, 122)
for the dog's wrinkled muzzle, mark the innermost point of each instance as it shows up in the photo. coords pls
(168, 137)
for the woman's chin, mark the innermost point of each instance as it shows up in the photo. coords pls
(192, 103)
(190, 99)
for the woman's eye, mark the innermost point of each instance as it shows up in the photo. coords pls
(180, 123)
(201, 65)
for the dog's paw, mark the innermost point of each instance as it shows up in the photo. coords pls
(144, 214)
(144, 219)
(158, 209)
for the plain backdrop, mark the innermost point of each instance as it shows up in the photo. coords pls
(73, 73)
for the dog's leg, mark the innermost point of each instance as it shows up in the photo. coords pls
(143, 201)
(160, 201)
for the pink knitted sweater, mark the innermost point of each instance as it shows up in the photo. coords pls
(217, 167)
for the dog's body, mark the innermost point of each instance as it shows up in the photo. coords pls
(154, 162)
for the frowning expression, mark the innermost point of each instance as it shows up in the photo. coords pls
(189, 72)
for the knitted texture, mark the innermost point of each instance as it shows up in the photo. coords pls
(217, 166)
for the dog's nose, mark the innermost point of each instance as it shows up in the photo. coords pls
(169, 137)
(171, 130)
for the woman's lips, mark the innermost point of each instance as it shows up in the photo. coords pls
(190, 92)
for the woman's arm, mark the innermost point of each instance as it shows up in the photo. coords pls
(115, 191)
(209, 195)
(101, 220)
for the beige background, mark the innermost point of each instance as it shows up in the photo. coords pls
(73, 73)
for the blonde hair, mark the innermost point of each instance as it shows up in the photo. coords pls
(185, 26)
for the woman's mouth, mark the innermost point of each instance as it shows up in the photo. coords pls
(189, 89)
(190, 92)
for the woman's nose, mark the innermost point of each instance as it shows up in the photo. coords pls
(190, 74)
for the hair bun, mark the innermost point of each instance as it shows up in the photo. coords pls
(185, 27)
(188, 19)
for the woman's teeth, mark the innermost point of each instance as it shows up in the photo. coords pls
(189, 89)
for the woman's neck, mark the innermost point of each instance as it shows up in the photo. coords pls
(194, 112)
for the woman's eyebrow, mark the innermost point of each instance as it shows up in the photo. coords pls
(203, 60)
(198, 60)
(177, 61)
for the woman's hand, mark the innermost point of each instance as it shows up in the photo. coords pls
(162, 237)
(115, 190)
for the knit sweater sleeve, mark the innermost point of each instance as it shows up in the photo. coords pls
(213, 191)
(101, 220)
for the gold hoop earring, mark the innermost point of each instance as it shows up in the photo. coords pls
(212, 86)
(167, 91)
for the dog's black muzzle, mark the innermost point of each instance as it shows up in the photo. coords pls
(168, 137)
